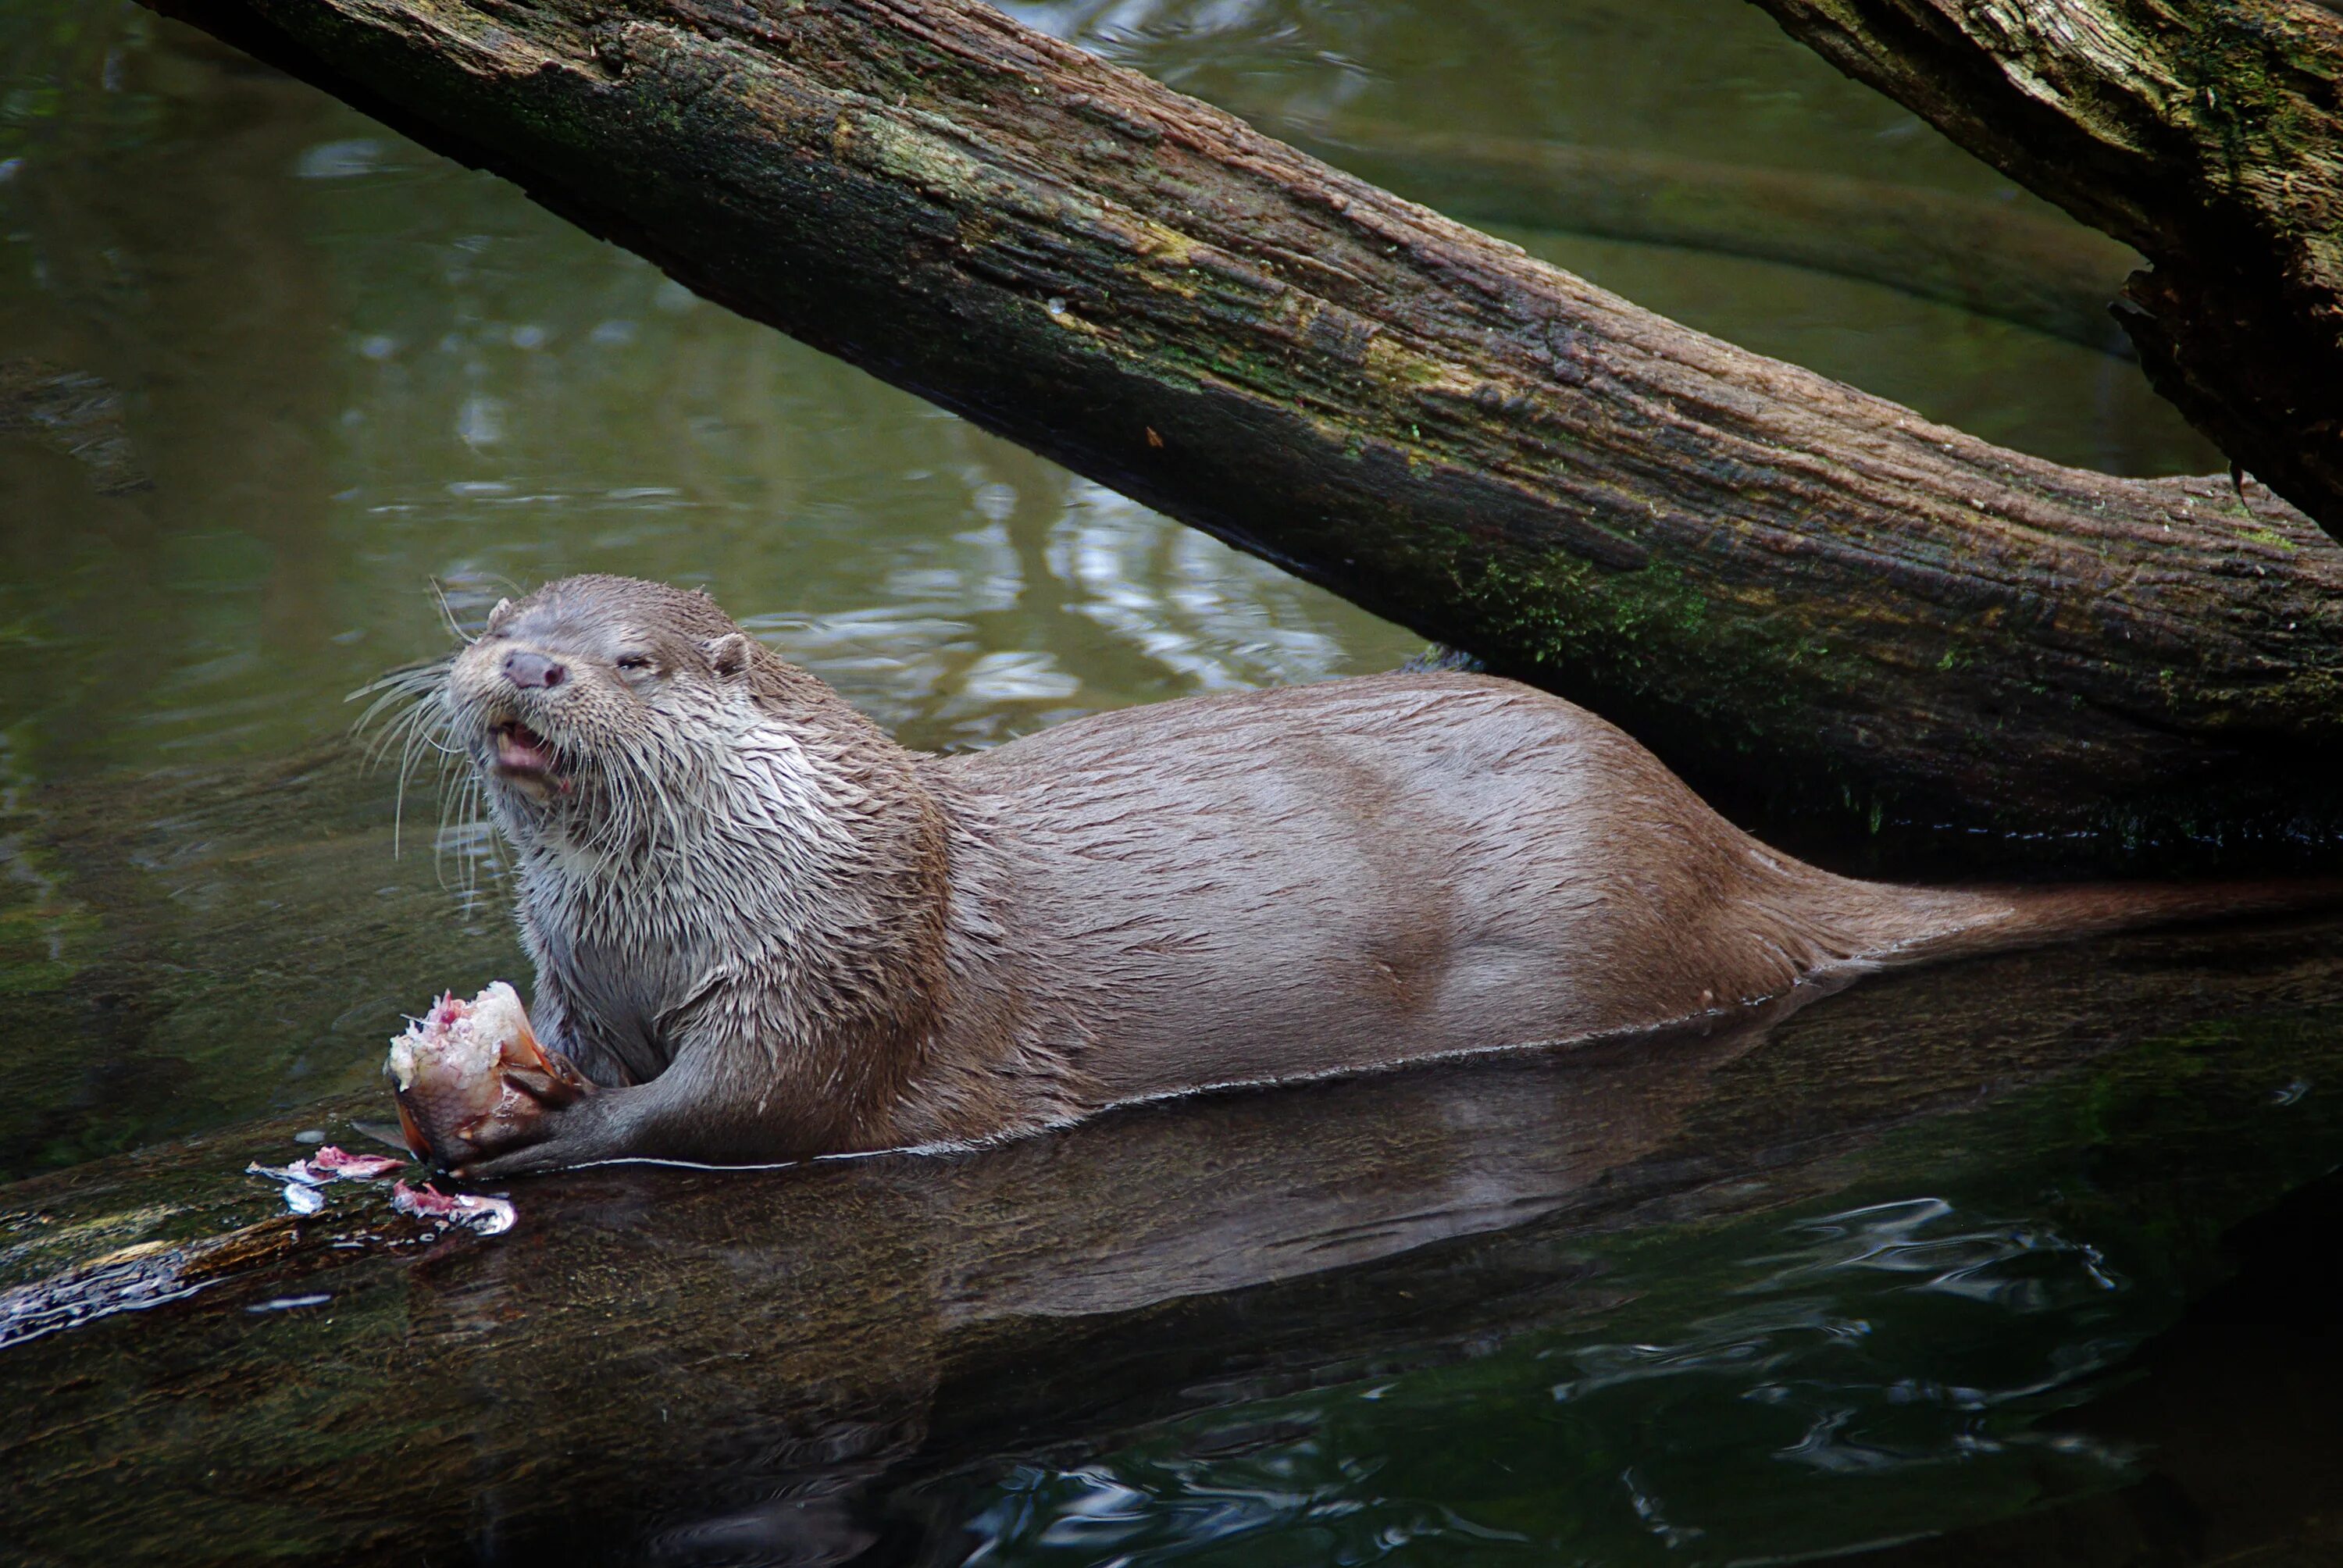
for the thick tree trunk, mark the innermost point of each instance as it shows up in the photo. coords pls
(1771, 576)
(2210, 136)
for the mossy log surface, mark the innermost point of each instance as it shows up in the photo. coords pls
(1774, 579)
(2208, 137)
(675, 1351)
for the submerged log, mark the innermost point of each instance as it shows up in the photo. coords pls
(2209, 137)
(688, 1353)
(1777, 579)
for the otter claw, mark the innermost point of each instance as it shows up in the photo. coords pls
(559, 1085)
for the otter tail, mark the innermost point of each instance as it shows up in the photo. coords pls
(1926, 925)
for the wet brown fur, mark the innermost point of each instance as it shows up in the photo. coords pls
(913, 949)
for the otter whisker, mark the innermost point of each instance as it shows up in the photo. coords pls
(418, 722)
(403, 734)
(395, 734)
(408, 753)
(415, 689)
(460, 824)
(448, 614)
(421, 678)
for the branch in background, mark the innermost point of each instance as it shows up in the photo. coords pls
(2208, 137)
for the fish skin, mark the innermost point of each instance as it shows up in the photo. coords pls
(486, 1216)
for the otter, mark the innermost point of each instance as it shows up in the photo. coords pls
(765, 931)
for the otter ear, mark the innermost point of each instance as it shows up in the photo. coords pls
(728, 654)
(502, 613)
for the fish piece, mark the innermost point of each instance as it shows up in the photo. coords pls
(295, 1174)
(455, 1046)
(328, 1164)
(487, 1216)
(303, 1200)
(332, 1164)
(470, 1077)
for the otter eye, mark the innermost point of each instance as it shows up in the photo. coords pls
(632, 661)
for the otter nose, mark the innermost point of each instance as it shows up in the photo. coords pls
(533, 671)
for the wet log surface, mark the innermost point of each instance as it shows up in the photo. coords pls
(1785, 585)
(670, 1364)
(2209, 138)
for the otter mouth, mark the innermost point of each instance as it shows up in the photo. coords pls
(524, 755)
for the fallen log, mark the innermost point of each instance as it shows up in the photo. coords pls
(1777, 581)
(2209, 137)
(665, 1351)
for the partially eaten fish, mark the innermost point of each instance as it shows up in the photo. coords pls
(488, 1216)
(302, 1178)
(329, 1164)
(471, 1079)
(336, 1165)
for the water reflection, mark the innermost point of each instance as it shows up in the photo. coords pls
(1831, 1412)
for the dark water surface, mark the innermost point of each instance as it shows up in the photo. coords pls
(267, 371)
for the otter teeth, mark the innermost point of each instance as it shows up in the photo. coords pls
(520, 749)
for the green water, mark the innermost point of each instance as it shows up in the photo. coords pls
(275, 383)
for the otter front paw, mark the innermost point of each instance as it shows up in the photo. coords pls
(472, 1082)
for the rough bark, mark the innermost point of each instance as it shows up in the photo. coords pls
(1774, 578)
(2207, 137)
(660, 1348)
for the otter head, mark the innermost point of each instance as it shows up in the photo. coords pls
(587, 703)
